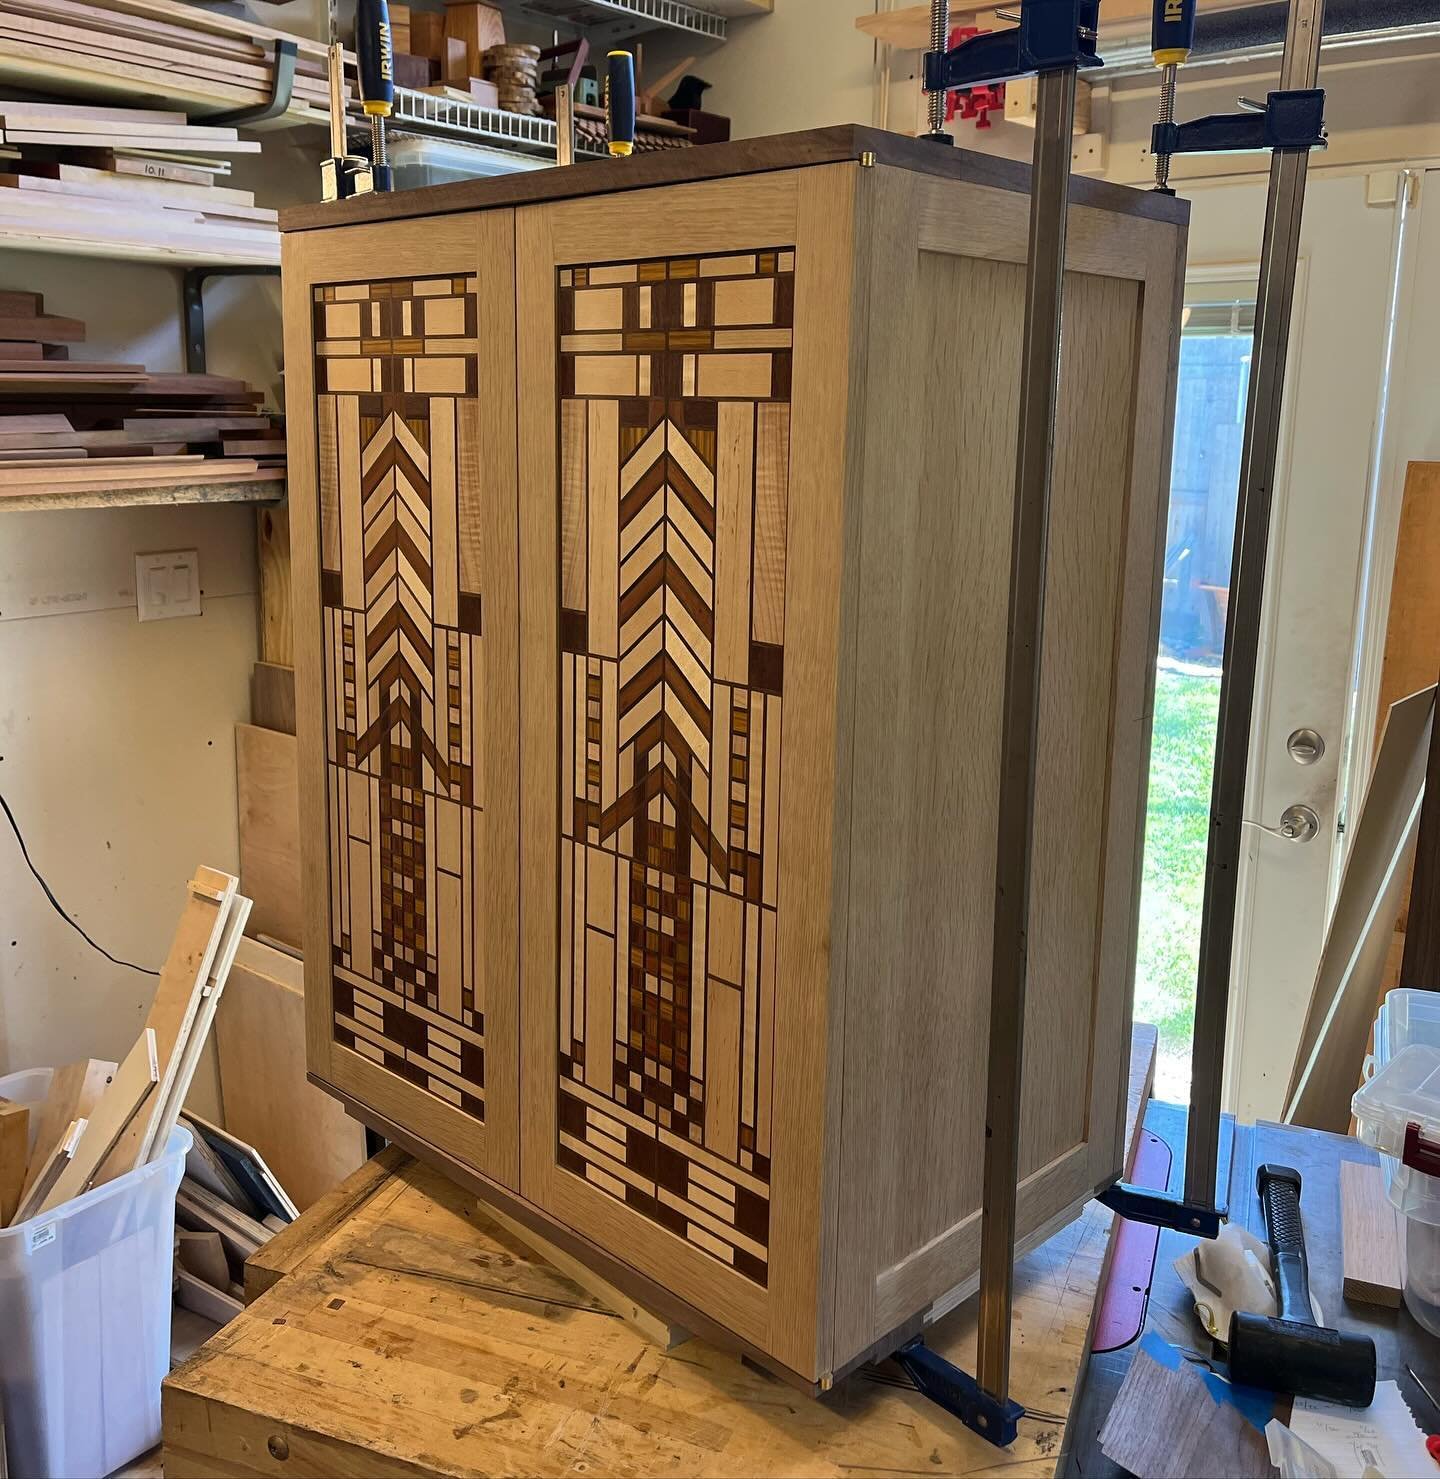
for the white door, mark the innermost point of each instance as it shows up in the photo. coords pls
(1338, 348)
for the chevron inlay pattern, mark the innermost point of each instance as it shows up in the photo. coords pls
(396, 383)
(674, 470)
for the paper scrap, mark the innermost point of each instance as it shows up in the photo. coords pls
(1382, 1438)
(1293, 1456)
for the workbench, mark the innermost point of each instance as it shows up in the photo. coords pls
(396, 1328)
(406, 1333)
(1401, 1345)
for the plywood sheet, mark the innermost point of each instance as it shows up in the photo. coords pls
(305, 1136)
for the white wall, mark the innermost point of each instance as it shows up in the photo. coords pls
(116, 737)
(805, 66)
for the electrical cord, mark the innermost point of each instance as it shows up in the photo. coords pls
(56, 904)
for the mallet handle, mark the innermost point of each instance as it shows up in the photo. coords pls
(1279, 1188)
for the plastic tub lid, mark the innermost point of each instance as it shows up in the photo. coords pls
(1410, 1017)
(1406, 1091)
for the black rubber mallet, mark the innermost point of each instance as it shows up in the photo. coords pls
(1289, 1352)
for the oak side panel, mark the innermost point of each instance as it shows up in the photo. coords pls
(938, 459)
(407, 677)
(821, 593)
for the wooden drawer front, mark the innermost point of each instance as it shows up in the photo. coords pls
(673, 476)
(404, 636)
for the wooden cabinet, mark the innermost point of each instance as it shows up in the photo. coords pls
(651, 550)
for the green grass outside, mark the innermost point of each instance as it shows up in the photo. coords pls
(1182, 760)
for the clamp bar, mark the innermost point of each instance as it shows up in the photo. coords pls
(1020, 721)
(1274, 305)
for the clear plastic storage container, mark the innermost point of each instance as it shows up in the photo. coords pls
(85, 1316)
(1402, 1092)
(417, 162)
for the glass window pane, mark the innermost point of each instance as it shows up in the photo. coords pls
(1215, 349)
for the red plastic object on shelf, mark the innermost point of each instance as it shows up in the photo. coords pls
(973, 102)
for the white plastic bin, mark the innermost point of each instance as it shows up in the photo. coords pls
(85, 1317)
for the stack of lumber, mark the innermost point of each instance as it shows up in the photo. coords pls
(127, 178)
(172, 53)
(651, 134)
(86, 425)
(101, 1120)
(515, 71)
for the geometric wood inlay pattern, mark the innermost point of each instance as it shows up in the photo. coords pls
(674, 471)
(397, 439)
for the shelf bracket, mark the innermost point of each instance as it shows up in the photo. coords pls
(282, 89)
(192, 307)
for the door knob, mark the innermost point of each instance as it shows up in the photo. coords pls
(1297, 824)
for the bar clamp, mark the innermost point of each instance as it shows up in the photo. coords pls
(1050, 35)
(1292, 120)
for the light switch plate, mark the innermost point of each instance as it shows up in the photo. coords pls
(167, 584)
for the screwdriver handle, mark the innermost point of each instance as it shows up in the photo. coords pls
(620, 102)
(1172, 31)
(375, 53)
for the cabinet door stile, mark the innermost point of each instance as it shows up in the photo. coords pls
(400, 350)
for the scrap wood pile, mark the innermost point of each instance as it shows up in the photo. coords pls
(110, 177)
(176, 54)
(229, 1206)
(80, 424)
(101, 1120)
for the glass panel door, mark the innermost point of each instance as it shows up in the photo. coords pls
(1215, 349)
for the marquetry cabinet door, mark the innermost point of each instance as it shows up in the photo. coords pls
(681, 365)
(401, 393)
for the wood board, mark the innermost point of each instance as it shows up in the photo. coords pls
(1371, 1237)
(75, 1090)
(208, 898)
(132, 1085)
(14, 1156)
(204, 1255)
(272, 540)
(201, 1210)
(51, 1168)
(269, 818)
(272, 697)
(260, 1043)
(1330, 1054)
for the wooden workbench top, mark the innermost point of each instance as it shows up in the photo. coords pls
(834, 145)
(405, 1332)
(396, 1328)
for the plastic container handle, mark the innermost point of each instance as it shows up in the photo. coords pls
(1420, 1154)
